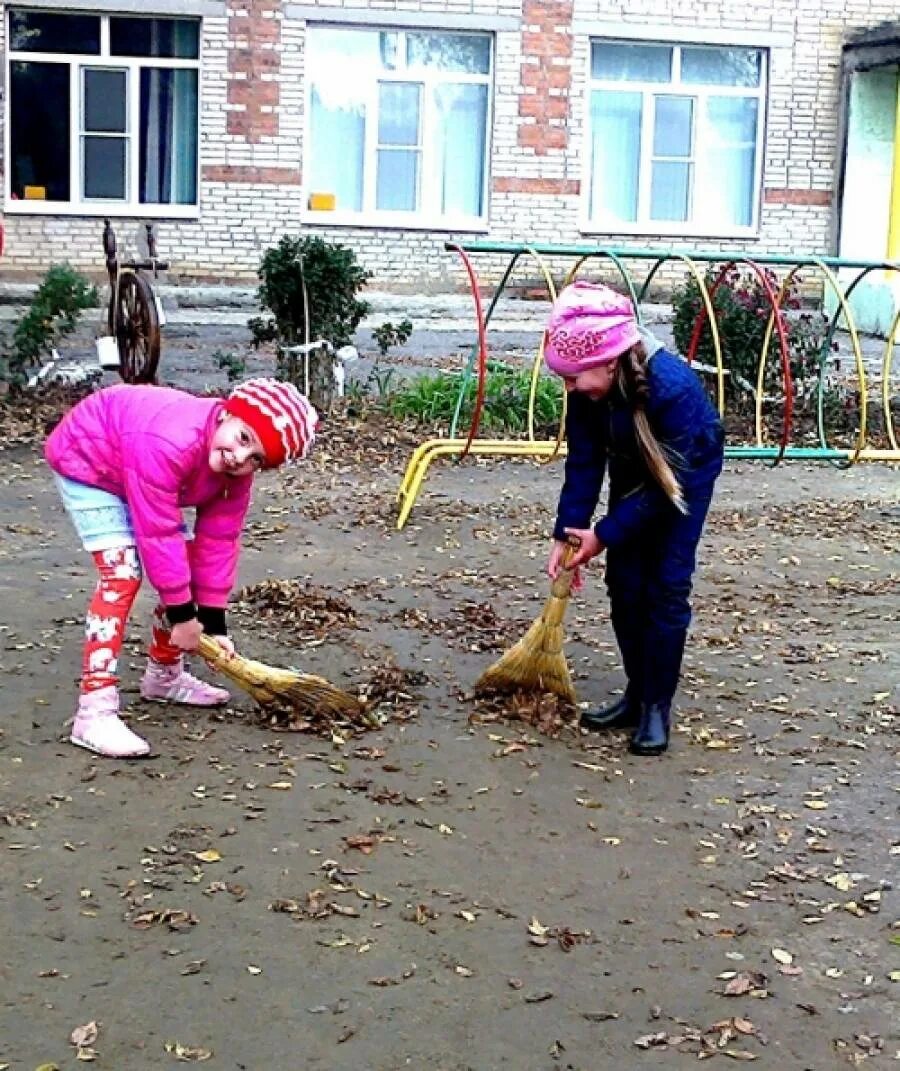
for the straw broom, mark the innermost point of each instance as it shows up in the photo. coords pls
(537, 661)
(284, 690)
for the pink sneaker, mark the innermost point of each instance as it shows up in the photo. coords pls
(173, 684)
(98, 727)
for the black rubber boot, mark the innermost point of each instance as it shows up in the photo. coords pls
(623, 714)
(652, 734)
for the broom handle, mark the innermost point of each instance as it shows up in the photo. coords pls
(562, 585)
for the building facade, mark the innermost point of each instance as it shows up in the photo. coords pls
(396, 125)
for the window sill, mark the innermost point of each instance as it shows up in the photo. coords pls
(99, 211)
(595, 228)
(394, 222)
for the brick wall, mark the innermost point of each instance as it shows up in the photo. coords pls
(253, 126)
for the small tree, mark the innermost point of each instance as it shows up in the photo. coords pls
(53, 313)
(328, 308)
(742, 309)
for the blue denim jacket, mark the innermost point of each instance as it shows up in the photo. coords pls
(598, 433)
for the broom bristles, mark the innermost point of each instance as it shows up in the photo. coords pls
(304, 693)
(536, 662)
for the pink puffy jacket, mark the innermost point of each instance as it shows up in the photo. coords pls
(150, 447)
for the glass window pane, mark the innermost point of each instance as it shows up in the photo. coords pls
(168, 137)
(615, 155)
(39, 129)
(630, 63)
(170, 38)
(389, 48)
(397, 181)
(470, 53)
(337, 145)
(721, 66)
(104, 101)
(673, 126)
(727, 165)
(42, 31)
(398, 113)
(460, 143)
(670, 189)
(104, 168)
(332, 55)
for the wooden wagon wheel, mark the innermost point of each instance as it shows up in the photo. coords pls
(134, 322)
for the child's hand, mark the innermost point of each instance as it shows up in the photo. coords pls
(554, 565)
(186, 634)
(589, 546)
(226, 643)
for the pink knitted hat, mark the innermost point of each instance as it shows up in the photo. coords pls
(589, 325)
(280, 415)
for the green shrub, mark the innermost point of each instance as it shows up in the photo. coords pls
(53, 313)
(388, 334)
(332, 278)
(234, 365)
(432, 399)
(742, 313)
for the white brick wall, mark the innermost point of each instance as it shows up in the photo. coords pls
(240, 219)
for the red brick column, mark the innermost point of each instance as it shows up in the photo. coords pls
(254, 64)
(546, 75)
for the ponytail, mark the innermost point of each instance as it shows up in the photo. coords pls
(633, 385)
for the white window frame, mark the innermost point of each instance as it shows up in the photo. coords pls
(77, 63)
(428, 216)
(691, 228)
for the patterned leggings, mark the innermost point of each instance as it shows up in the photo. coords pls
(117, 587)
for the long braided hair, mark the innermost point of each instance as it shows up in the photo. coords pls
(632, 382)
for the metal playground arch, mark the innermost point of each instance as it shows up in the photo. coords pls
(468, 443)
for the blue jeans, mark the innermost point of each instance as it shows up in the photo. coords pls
(649, 585)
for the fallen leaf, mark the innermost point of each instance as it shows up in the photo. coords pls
(652, 1041)
(83, 1036)
(187, 1052)
(539, 997)
(209, 856)
(745, 982)
(363, 842)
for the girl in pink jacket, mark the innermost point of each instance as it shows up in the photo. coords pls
(127, 460)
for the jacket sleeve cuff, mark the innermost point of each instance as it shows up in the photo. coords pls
(212, 618)
(608, 532)
(181, 612)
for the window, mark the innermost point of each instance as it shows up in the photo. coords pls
(102, 110)
(398, 123)
(675, 137)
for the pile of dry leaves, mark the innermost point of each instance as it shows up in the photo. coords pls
(473, 626)
(298, 609)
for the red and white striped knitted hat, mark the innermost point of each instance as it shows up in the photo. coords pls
(280, 415)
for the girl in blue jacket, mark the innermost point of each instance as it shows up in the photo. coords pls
(643, 413)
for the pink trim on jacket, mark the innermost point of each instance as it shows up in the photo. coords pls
(150, 447)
